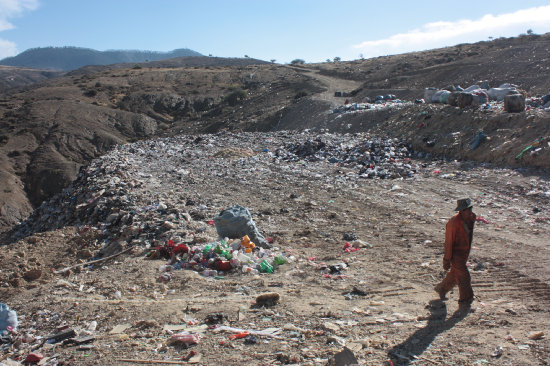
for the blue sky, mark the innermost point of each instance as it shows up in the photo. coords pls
(313, 30)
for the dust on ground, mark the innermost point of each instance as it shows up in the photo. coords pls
(382, 306)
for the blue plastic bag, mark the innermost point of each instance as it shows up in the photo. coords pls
(8, 318)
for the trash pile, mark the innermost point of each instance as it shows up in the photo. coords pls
(508, 97)
(368, 104)
(214, 259)
(103, 196)
(372, 158)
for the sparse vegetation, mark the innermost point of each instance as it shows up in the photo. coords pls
(90, 93)
(236, 95)
(297, 61)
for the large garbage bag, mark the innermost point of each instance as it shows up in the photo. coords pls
(428, 94)
(498, 94)
(236, 222)
(471, 88)
(441, 96)
(480, 97)
(478, 140)
(8, 318)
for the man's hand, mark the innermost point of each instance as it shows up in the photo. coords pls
(446, 264)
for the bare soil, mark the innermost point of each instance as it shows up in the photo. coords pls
(382, 306)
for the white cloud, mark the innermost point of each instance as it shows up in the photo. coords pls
(11, 9)
(441, 34)
(7, 49)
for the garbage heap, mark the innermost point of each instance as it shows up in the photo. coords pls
(215, 259)
(149, 192)
(380, 102)
(373, 157)
(509, 97)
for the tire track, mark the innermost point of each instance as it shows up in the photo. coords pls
(504, 282)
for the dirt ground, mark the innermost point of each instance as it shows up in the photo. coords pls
(382, 306)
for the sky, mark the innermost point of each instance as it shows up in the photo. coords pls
(280, 30)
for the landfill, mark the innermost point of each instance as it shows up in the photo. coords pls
(487, 98)
(152, 274)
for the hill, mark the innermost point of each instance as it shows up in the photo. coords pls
(70, 58)
(11, 76)
(52, 128)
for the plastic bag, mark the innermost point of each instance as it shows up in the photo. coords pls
(8, 318)
(236, 222)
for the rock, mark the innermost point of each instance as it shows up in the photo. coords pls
(33, 274)
(268, 299)
(343, 358)
(84, 254)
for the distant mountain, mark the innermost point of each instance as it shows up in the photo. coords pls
(70, 58)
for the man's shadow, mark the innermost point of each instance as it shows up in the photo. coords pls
(405, 352)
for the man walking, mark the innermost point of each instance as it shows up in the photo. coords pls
(458, 242)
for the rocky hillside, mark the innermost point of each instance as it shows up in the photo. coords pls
(50, 129)
(13, 77)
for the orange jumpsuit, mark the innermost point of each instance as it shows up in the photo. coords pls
(458, 242)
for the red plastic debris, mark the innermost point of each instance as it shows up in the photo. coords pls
(189, 355)
(349, 248)
(33, 358)
(223, 265)
(481, 219)
(239, 335)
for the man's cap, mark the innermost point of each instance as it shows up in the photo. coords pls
(463, 204)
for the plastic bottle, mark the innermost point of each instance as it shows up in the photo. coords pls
(243, 258)
(227, 254)
(279, 259)
(236, 244)
(266, 267)
(235, 262)
(247, 244)
(249, 269)
(206, 249)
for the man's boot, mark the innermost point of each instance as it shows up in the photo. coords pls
(441, 292)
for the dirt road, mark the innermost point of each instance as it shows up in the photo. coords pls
(332, 85)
